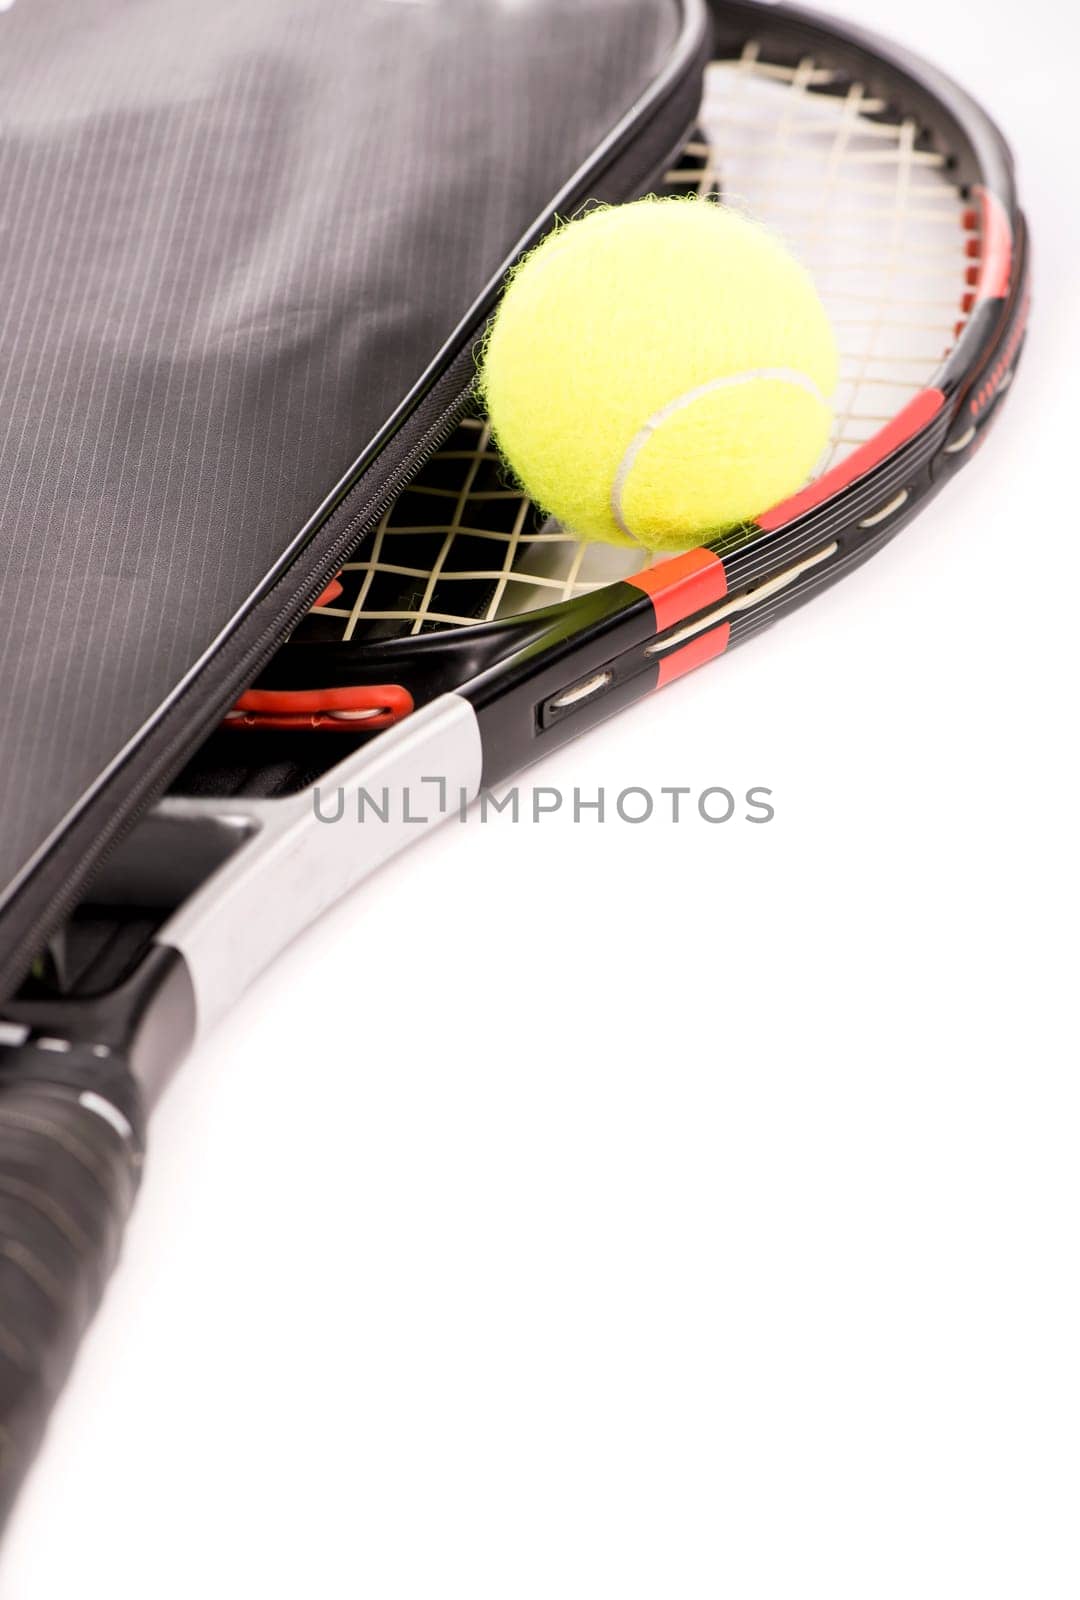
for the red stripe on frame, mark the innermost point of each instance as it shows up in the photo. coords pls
(995, 267)
(682, 585)
(706, 647)
(904, 426)
(1003, 366)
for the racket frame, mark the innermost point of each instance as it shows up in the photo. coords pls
(480, 703)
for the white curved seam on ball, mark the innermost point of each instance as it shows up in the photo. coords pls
(626, 466)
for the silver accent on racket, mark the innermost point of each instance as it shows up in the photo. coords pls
(294, 867)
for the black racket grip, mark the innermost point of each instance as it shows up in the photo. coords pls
(69, 1170)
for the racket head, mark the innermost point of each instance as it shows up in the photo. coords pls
(897, 192)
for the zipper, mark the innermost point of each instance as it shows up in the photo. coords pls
(359, 527)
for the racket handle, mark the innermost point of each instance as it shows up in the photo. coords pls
(69, 1169)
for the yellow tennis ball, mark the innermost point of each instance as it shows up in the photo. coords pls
(659, 372)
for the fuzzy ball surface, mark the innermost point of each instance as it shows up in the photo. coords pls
(660, 372)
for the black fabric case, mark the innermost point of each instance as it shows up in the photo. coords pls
(246, 249)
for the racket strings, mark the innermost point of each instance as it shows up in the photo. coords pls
(860, 195)
(864, 203)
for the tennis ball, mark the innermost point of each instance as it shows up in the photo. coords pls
(659, 372)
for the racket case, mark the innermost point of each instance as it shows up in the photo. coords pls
(247, 252)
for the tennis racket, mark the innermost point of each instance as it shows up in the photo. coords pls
(468, 637)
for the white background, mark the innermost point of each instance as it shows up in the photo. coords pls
(663, 1211)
